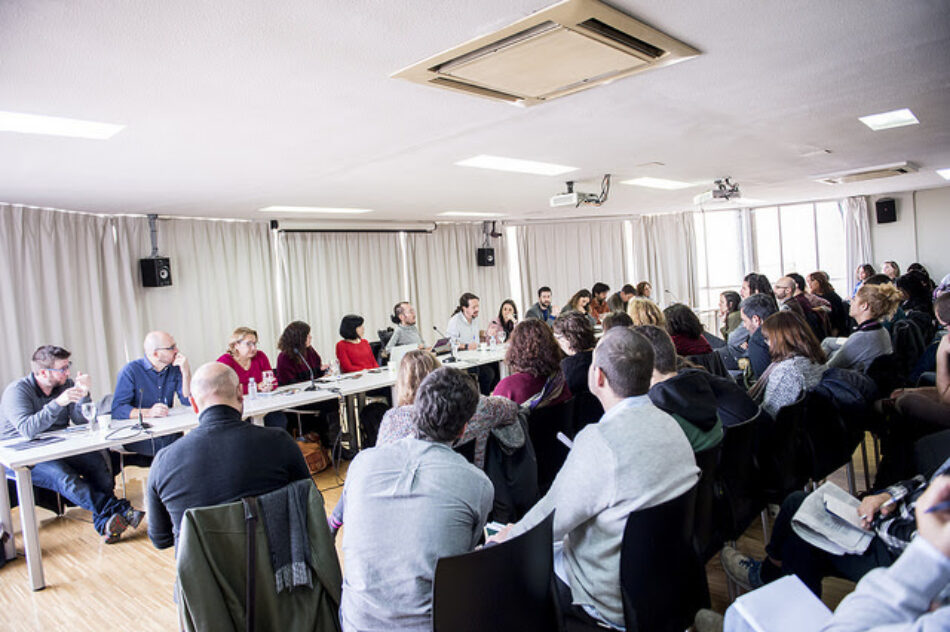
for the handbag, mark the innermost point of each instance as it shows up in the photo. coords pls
(316, 456)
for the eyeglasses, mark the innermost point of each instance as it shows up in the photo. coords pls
(248, 343)
(174, 347)
(65, 369)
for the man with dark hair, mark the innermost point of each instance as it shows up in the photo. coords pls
(598, 301)
(754, 310)
(635, 457)
(408, 504)
(618, 301)
(47, 399)
(686, 394)
(223, 460)
(543, 310)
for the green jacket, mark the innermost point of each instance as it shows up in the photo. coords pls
(212, 575)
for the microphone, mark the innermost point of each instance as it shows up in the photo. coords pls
(141, 425)
(675, 300)
(313, 382)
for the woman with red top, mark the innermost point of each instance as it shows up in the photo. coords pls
(686, 330)
(297, 358)
(249, 363)
(353, 351)
(534, 359)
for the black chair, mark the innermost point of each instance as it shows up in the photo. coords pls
(707, 540)
(514, 475)
(587, 410)
(712, 362)
(508, 586)
(662, 580)
(887, 374)
(467, 450)
(543, 426)
(830, 444)
(783, 454)
(739, 497)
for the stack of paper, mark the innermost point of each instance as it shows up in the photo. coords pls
(829, 520)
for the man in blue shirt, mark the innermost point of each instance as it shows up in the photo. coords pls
(148, 386)
(543, 310)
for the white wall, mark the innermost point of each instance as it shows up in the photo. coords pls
(919, 234)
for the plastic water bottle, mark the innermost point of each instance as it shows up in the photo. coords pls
(492, 343)
(251, 389)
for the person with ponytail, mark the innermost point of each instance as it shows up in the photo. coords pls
(870, 339)
(404, 317)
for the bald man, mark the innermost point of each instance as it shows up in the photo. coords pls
(222, 460)
(148, 385)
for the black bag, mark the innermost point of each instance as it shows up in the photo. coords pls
(370, 419)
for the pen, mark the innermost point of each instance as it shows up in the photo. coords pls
(887, 503)
(941, 506)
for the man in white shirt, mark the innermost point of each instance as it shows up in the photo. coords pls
(463, 326)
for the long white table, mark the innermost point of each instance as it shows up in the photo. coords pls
(78, 440)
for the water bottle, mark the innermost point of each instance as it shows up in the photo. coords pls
(492, 343)
(251, 389)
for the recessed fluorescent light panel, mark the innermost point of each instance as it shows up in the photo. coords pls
(469, 214)
(501, 163)
(56, 126)
(887, 120)
(657, 183)
(315, 210)
(944, 173)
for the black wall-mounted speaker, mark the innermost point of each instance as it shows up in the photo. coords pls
(156, 272)
(486, 256)
(886, 210)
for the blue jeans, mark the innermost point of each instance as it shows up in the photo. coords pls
(84, 480)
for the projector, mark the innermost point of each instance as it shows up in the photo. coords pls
(574, 198)
(725, 190)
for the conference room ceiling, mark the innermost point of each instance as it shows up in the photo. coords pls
(234, 105)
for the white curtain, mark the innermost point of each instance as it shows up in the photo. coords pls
(324, 276)
(570, 256)
(857, 235)
(443, 266)
(664, 253)
(60, 284)
(222, 278)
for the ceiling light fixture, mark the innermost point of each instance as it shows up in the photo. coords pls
(469, 214)
(887, 120)
(516, 165)
(56, 126)
(658, 183)
(315, 210)
(944, 173)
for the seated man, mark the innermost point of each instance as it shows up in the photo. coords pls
(408, 504)
(147, 386)
(220, 461)
(47, 399)
(635, 457)
(543, 310)
(754, 310)
(618, 300)
(889, 513)
(684, 394)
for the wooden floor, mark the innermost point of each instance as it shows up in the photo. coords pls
(93, 586)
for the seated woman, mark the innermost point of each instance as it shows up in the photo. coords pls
(251, 364)
(861, 274)
(575, 335)
(534, 359)
(643, 311)
(296, 362)
(297, 358)
(502, 325)
(353, 351)
(729, 312)
(819, 285)
(616, 319)
(580, 303)
(644, 289)
(797, 362)
(869, 340)
(686, 330)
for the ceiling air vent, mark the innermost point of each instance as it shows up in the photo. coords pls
(868, 173)
(571, 46)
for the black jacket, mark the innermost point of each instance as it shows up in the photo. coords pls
(688, 395)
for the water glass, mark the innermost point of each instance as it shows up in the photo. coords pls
(88, 410)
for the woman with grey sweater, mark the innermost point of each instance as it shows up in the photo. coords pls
(797, 362)
(870, 305)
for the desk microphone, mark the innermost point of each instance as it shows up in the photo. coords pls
(141, 425)
(673, 296)
(313, 382)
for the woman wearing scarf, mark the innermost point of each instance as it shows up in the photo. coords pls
(534, 359)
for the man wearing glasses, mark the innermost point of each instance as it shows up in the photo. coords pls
(47, 399)
(148, 386)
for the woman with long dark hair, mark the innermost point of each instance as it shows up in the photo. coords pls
(820, 285)
(797, 361)
(505, 322)
(686, 330)
(297, 358)
(729, 312)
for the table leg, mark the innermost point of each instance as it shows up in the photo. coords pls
(502, 369)
(6, 517)
(31, 536)
(257, 420)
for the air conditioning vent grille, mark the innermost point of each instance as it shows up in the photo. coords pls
(868, 173)
(620, 37)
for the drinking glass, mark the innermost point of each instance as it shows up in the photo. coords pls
(268, 381)
(88, 410)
